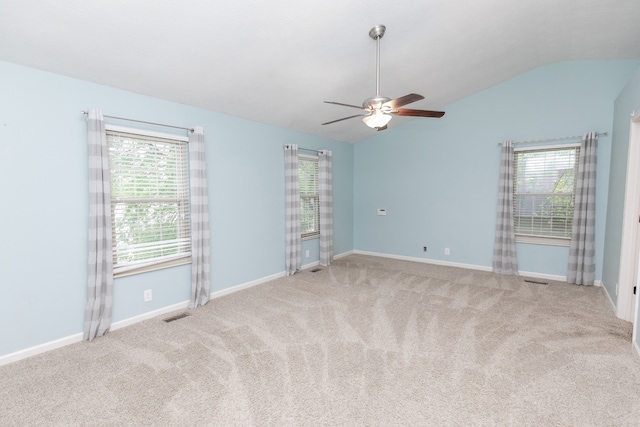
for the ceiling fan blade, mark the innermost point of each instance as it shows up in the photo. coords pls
(344, 105)
(417, 113)
(403, 100)
(344, 118)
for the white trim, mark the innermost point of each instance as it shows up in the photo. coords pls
(311, 264)
(307, 157)
(76, 338)
(613, 305)
(246, 285)
(41, 348)
(531, 274)
(148, 315)
(535, 275)
(145, 132)
(547, 146)
(343, 254)
(628, 268)
(543, 240)
(425, 260)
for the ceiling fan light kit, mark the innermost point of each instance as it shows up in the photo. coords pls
(377, 119)
(379, 110)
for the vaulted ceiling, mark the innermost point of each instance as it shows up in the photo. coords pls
(276, 61)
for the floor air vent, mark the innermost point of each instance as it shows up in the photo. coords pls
(536, 282)
(315, 270)
(176, 317)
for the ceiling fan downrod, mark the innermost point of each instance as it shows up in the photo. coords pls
(375, 104)
(377, 111)
(376, 33)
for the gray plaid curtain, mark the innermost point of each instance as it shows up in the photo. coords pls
(200, 247)
(325, 184)
(582, 252)
(98, 312)
(504, 249)
(293, 247)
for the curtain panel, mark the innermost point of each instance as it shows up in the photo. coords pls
(325, 184)
(293, 244)
(99, 308)
(504, 249)
(582, 266)
(200, 245)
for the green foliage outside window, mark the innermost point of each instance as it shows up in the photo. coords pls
(309, 199)
(150, 212)
(544, 192)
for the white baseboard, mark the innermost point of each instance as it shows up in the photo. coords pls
(41, 348)
(425, 260)
(149, 315)
(535, 275)
(613, 304)
(467, 266)
(343, 254)
(247, 285)
(76, 338)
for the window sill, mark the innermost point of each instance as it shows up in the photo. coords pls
(153, 267)
(313, 236)
(540, 240)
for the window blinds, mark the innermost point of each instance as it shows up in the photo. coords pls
(149, 200)
(309, 197)
(544, 191)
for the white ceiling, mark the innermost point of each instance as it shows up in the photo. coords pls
(276, 61)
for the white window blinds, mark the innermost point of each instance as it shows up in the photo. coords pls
(149, 200)
(544, 192)
(309, 197)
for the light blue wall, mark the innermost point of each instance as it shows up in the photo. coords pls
(438, 178)
(627, 102)
(43, 182)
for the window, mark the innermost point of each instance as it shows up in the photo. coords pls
(544, 193)
(149, 200)
(309, 197)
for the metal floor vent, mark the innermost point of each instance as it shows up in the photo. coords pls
(536, 282)
(315, 270)
(176, 317)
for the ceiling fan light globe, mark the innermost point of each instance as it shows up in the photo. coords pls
(376, 120)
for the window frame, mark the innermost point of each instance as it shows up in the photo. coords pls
(153, 264)
(541, 239)
(316, 196)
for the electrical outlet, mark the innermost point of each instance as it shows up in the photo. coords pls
(148, 296)
(307, 253)
(446, 251)
(616, 289)
(424, 249)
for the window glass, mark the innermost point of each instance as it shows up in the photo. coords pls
(544, 192)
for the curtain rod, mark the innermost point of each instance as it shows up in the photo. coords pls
(561, 138)
(305, 149)
(142, 121)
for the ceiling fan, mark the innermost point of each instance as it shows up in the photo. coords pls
(377, 111)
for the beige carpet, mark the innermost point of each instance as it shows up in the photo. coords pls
(368, 341)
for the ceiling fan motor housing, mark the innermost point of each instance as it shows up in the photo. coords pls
(376, 103)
